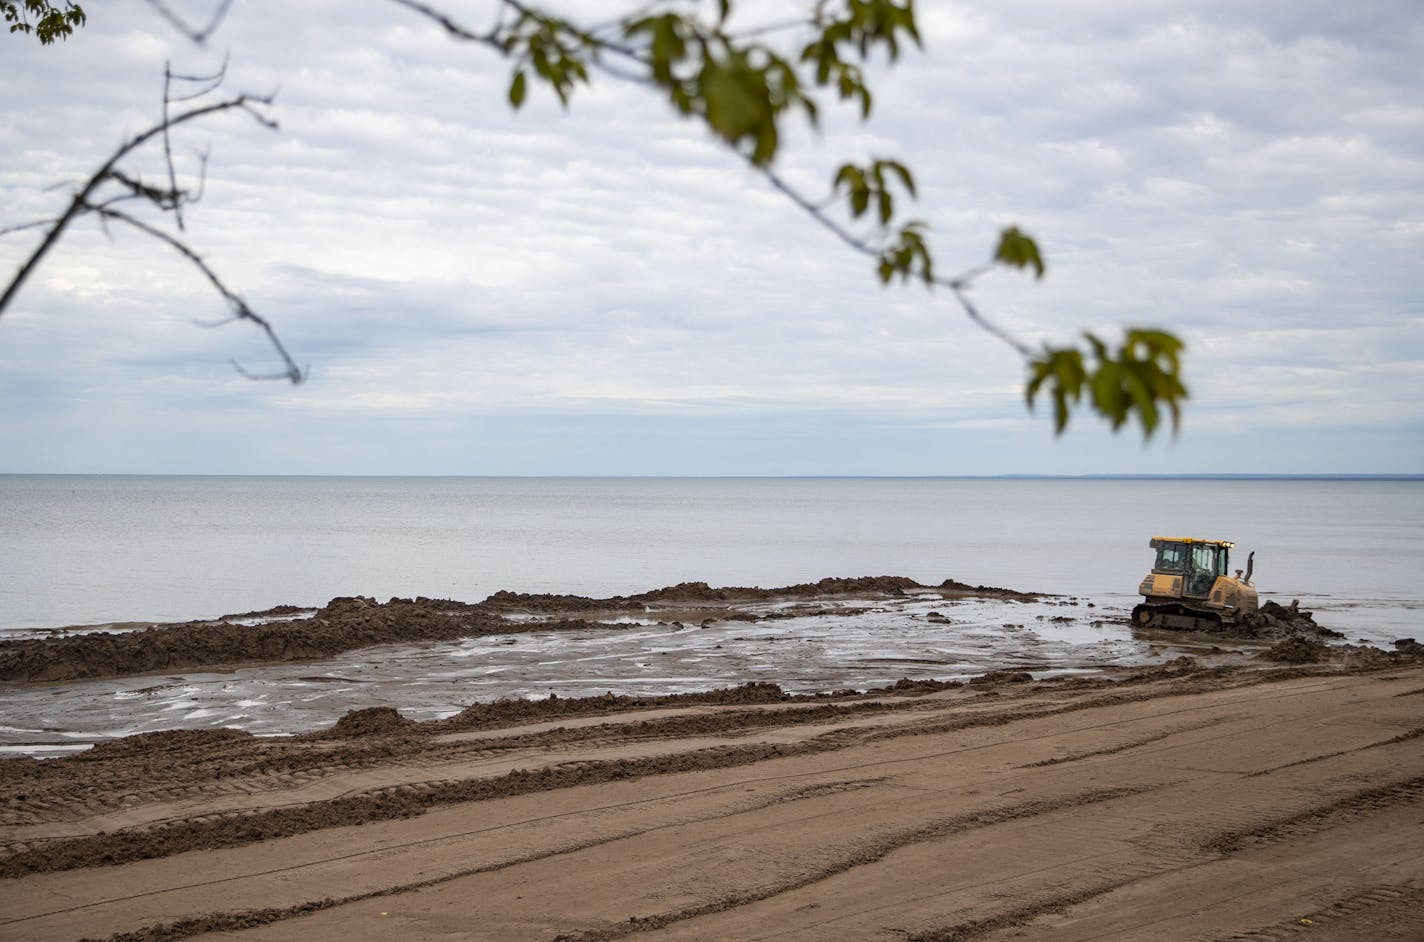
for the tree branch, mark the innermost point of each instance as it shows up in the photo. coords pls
(240, 310)
(957, 285)
(454, 29)
(196, 35)
(169, 199)
(502, 41)
(81, 200)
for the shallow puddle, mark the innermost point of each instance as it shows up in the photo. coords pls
(872, 644)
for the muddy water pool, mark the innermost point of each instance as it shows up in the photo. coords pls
(873, 644)
(109, 551)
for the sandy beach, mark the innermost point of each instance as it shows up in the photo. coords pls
(1176, 803)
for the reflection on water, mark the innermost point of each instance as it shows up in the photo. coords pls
(883, 641)
(111, 549)
(91, 549)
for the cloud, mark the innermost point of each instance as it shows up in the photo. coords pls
(458, 275)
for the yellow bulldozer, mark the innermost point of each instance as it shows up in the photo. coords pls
(1189, 589)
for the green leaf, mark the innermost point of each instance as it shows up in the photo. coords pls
(1063, 372)
(1018, 250)
(517, 89)
(870, 24)
(908, 257)
(1141, 378)
(667, 45)
(857, 189)
(902, 172)
(51, 21)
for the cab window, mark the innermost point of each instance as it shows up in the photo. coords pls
(1203, 572)
(1171, 557)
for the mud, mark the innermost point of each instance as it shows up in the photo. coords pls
(1002, 677)
(192, 762)
(372, 721)
(157, 745)
(1295, 637)
(1298, 649)
(238, 830)
(182, 763)
(179, 760)
(1070, 807)
(346, 624)
(701, 593)
(350, 623)
(507, 712)
(1277, 621)
(275, 611)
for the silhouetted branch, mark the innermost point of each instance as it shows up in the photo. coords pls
(21, 227)
(92, 199)
(958, 285)
(198, 35)
(500, 38)
(240, 310)
(453, 29)
(206, 84)
(741, 90)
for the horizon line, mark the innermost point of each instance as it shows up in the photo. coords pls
(1009, 476)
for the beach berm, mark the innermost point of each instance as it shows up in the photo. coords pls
(1174, 803)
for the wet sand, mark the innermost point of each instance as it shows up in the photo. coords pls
(286, 671)
(1180, 803)
(1222, 797)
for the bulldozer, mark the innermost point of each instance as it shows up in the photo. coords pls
(1188, 588)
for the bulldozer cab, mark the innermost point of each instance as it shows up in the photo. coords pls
(1198, 562)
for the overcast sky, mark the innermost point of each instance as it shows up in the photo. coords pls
(605, 290)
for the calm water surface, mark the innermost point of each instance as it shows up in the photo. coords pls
(78, 550)
(95, 550)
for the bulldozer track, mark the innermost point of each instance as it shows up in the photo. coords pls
(172, 833)
(1319, 818)
(1343, 912)
(979, 815)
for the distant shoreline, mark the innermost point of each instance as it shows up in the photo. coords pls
(1264, 476)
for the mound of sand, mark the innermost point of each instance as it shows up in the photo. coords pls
(351, 622)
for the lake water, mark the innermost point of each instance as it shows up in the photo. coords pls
(82, 550)
(95, 551)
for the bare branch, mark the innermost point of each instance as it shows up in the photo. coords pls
(21, 227)
(197, 35)
(163, 199)
(769, 28)
(814, 211)
(452, 28)
(168, 142)
(248, 374)
(81, 201)
(202, 177)
(957, 285)
(205, 84)
(240, 310)
(212, 80)
(491, 37)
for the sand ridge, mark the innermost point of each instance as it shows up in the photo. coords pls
(1160, 805)
(349, 623)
